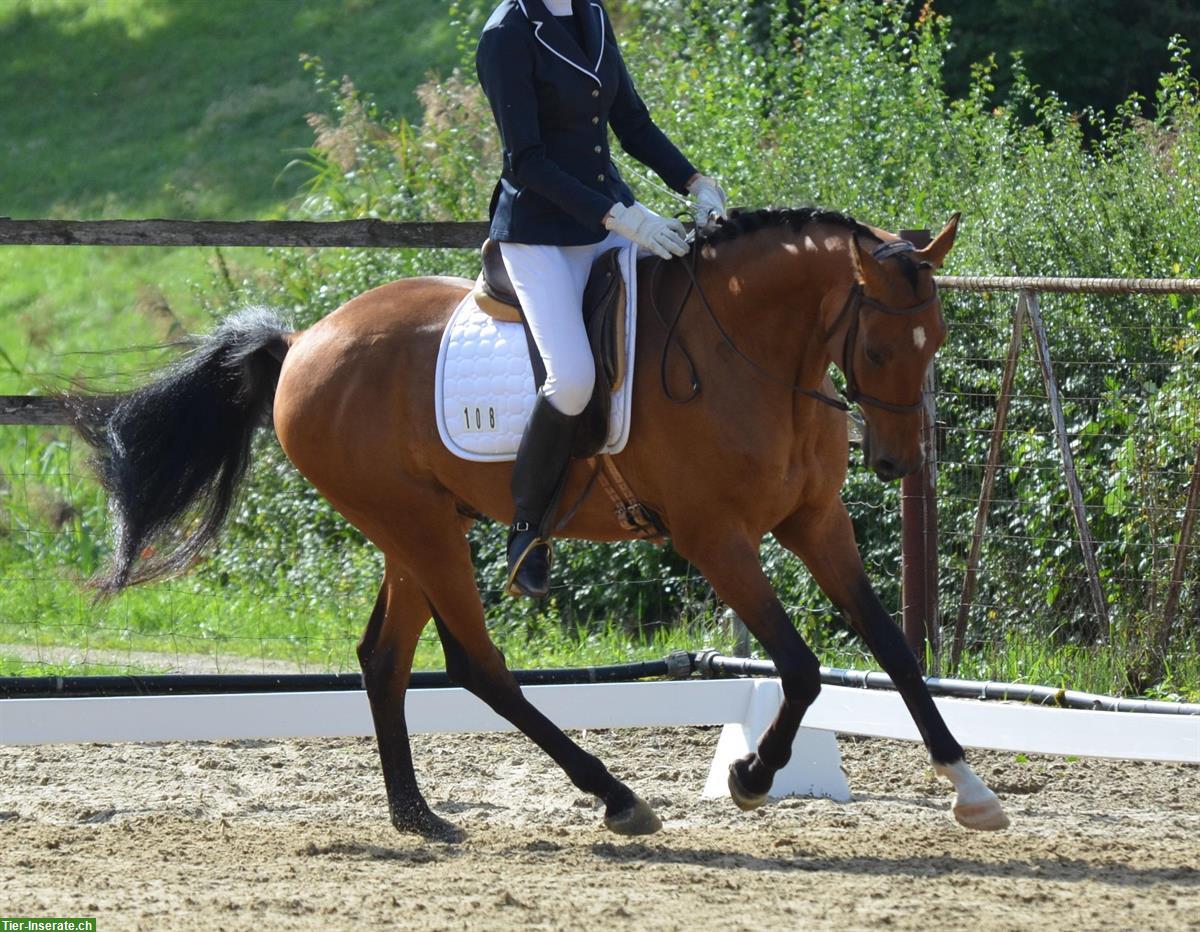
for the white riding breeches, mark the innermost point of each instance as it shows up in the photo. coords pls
(549, 280)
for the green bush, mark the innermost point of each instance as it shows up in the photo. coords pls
(843, 105)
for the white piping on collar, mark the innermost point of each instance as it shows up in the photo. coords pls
(600, 16)
(537, 34)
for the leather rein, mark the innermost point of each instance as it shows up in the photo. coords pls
(856, 301)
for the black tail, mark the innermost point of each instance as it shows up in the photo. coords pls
(171, 453)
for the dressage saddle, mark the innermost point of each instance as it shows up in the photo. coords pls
(604, 318)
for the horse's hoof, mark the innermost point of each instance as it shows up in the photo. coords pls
(636, 819)
(985, 815)
(742, 797)
(431, 827)
(975, 805)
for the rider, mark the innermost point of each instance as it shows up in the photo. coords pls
(555, 80)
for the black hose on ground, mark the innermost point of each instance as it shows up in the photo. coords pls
(677, 665)
(711, 663)
(184, 684)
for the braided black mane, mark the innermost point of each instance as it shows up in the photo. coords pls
(741, 222)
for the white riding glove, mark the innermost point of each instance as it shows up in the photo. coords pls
(663, 236)
(710, 200)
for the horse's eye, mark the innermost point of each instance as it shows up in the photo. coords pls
(874, 358)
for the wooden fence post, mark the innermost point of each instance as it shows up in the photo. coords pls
(919, 532)
(1179, 564)
(989, 478)
(1064, 447)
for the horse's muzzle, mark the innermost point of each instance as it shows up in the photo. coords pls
(889, 469)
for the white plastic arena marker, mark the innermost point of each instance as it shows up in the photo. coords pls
(815, 767)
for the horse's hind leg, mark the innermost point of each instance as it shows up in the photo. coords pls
(473, 661)
(386, 654)
(824, 540)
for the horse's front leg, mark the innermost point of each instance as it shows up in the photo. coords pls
(824, 540)
(733, 568)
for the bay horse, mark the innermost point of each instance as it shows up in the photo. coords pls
(766, 302)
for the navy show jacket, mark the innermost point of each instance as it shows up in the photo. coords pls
(553, 103)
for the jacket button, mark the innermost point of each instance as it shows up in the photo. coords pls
(598, 150)
(595, 121)
(599, 177)
(596, 93)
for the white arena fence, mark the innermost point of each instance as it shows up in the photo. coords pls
(744, 706)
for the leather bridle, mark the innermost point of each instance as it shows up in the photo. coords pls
(856, 301)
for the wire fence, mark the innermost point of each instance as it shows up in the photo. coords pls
(1129, 405)
(1124, 370)
(1123, 359)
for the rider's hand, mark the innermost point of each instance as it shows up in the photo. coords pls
(710, 200)
(663, 236)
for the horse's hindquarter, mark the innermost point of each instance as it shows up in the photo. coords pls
(355, 396)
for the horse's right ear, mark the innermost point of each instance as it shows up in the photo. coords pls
(868, 271)
(935, 253)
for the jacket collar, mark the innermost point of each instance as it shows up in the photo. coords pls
(550, 34)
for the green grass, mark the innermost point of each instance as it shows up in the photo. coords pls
(178, 108)
(94, 314)
(193, 108)
(1089, 668)
(187, 107)
(18, 666)
(318, 636)
(193, 616)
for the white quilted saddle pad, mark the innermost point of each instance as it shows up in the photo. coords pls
(484, 389)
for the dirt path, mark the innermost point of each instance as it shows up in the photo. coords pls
(292, 834)
(165, 663)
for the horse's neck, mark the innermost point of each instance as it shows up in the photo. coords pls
(769, 290)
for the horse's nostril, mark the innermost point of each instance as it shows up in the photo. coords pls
(887, 470)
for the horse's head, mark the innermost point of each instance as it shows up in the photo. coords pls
(884, 340)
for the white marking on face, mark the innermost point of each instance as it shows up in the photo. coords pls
(708, 252)
(735, 286)
(919, 337)
(792, 248)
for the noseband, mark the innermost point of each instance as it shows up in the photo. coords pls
(856, 301)
(853, 308)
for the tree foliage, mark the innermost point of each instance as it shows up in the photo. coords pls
(846, 104)
(1094, 53)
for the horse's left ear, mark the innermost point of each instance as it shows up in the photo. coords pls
(935, 253)
(856, 260)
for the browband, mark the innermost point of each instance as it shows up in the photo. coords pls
(893, 248)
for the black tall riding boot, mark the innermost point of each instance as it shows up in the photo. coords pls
(537, 480)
